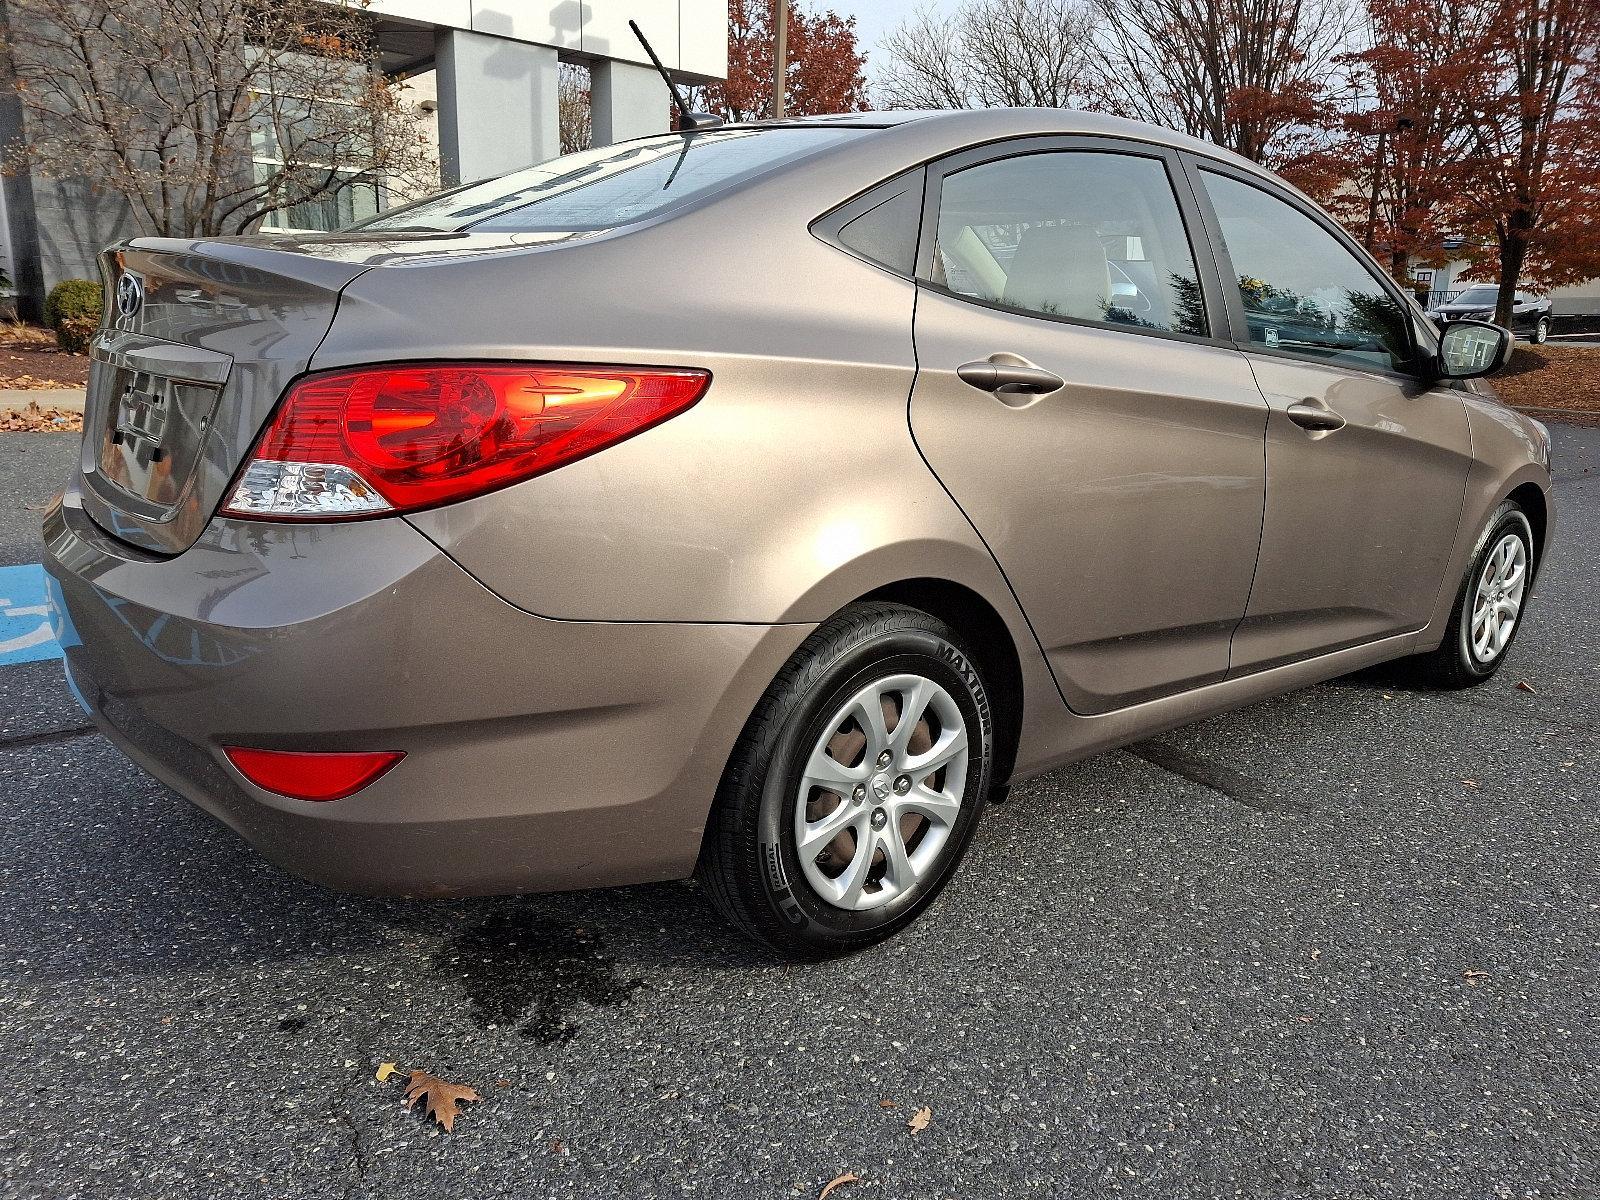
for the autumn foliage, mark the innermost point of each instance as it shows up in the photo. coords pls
(1256, 76)
(826, 69)
(1433, 128)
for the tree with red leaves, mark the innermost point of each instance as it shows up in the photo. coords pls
(1256, 76)
(1535, 194)
(826, 69)
(1419, 79)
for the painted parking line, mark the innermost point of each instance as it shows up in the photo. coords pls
(26, 634)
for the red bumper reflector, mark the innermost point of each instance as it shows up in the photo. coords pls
(303, 775)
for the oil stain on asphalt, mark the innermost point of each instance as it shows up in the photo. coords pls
(531, 975)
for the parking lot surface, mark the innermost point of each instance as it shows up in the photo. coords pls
(1343, 943)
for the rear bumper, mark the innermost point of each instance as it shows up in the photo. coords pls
(540, 754)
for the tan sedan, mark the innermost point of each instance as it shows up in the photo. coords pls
(754, 501)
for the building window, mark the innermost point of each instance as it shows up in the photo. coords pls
(355, 199)
(313, 134)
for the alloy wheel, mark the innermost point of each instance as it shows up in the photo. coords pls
(1497, 598)
(881, 792)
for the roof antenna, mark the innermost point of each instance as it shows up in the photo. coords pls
(688, 121)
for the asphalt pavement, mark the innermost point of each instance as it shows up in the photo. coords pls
(1340, 944)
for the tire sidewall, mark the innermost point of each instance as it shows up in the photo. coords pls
(917, 650)
(1510, 518)
(1541, 331)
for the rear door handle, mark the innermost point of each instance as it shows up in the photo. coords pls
(1008, 377)
(1314, 417)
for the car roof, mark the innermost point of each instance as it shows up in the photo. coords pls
(944, 130)
(988, 124)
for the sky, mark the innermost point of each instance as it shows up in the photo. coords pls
(874, 18)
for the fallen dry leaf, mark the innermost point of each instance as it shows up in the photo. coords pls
(1471, 783)
(1304, 1019)
(441, 1097)
(34, 383)
(18, 333)
(919, 1120)
(1524, 686)
(34, 419)
(557, 1146)
(385, 1070)
(835, 1184)
(1316, 954)
(886, 1104)
(1472, 977)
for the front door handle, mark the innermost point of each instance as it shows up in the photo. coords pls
(1315, 417)
(1009, 378)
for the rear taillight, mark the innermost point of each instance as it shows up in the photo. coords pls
(392, 439)
(311, 775)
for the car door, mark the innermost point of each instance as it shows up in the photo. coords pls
(1366, 463)
(1521, 313)
(1077, 396)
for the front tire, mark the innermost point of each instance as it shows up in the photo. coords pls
(1541, 331)
(1489, 604)
(838, 819)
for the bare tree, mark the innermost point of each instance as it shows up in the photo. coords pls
(573, 116)
(209, 115)
(1251, 75)
(989, 53)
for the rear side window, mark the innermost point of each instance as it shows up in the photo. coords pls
(881, 225)
(1304, 292)
(614, 185)
(1082, 234)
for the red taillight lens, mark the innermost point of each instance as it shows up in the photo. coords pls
(308, 775)
(354, 443)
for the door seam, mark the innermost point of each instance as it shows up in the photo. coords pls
(916, 373)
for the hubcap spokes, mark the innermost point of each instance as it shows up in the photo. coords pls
(881, 792)
(1497, 600)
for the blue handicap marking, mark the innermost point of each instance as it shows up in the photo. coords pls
(26, 633)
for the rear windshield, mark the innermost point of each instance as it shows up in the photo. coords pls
(614, 185)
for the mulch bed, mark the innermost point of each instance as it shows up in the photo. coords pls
(1560, 383)
(29, 360)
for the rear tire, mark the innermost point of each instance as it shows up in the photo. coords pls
(879, 849)
(1489, 605)
(1541, 331)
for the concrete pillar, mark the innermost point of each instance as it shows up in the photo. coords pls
(497, 105)
(626, 101)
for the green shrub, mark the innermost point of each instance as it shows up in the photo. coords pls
(73, 310)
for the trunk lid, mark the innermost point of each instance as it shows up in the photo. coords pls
(199, 341)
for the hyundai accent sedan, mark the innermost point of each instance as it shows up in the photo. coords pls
(756, 502)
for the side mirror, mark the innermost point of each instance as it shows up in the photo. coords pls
(1468, 349)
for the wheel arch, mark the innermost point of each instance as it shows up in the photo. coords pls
(1531, 498)
(988, 638)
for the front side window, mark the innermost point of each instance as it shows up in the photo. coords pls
(1304, 293)
(1082, 234)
